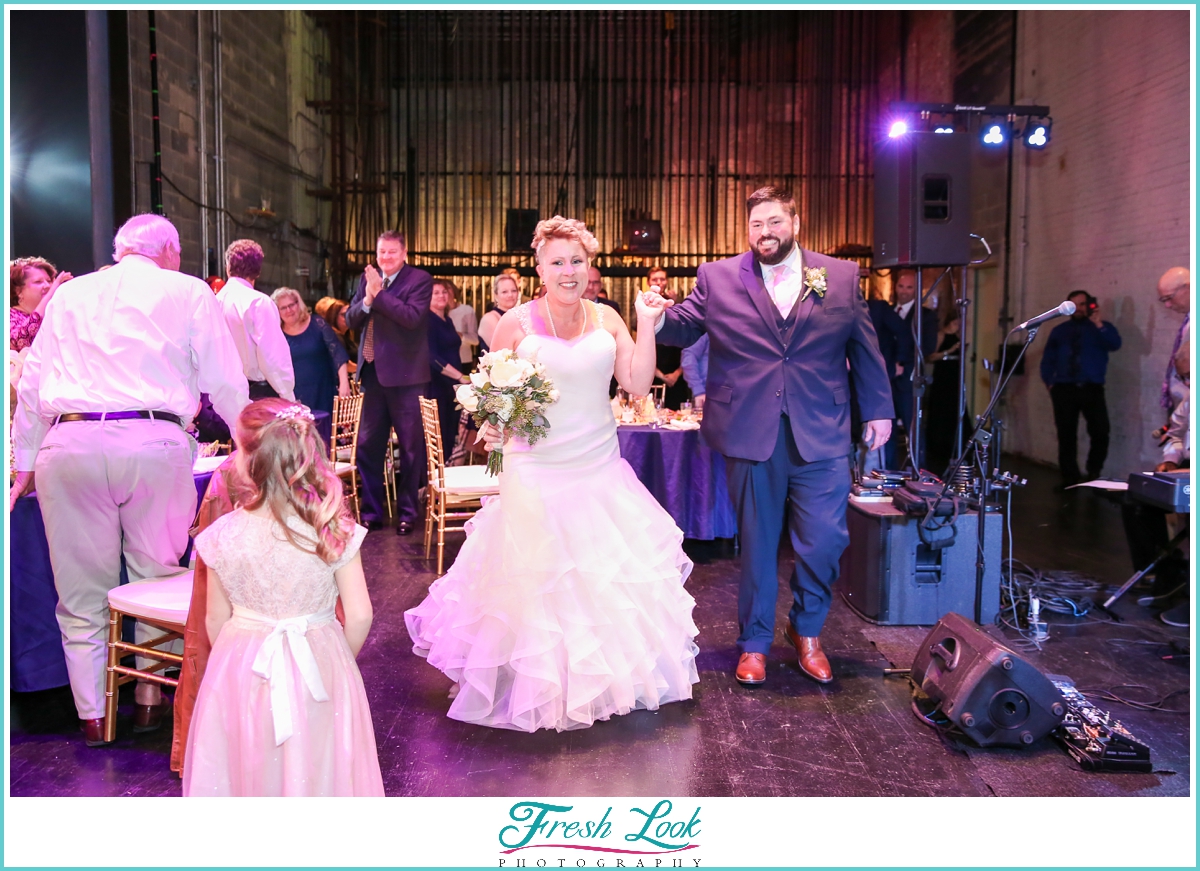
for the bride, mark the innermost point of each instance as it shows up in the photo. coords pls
(566, 602)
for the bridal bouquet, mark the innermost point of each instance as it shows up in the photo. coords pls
(510, 393)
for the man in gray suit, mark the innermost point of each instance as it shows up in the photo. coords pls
(783, 324)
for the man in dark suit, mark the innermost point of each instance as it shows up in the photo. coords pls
(390, 310)
(782, 325)
(895, 344)
(905, 287)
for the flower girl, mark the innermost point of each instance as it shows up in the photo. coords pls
(282, 709)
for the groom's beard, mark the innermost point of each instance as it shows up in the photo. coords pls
(781, 252)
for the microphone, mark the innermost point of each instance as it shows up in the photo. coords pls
(1064, 309)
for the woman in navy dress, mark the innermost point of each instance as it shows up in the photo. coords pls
(318, 358)
(444, 360)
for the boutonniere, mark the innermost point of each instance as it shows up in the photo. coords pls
(814, 282)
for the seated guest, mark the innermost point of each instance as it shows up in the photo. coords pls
(464, 320)
(31, 285)
(505, 295)
(208, 425)
(333, 312)
(318, 359)
(444, 344)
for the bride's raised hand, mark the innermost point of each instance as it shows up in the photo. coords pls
(651, 305)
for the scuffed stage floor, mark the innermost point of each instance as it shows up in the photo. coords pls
(790, 737)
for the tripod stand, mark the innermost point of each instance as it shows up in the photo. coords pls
(990, 480)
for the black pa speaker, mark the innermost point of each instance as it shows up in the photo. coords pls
(889, 577)
(990, 693)
(923, 200)
(519, 227)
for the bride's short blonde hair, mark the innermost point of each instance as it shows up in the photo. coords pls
(570, 229)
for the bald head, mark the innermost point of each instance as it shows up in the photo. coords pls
(1175, 289)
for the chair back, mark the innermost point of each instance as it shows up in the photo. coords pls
(658, 394)
(347, 414)
(433, 441)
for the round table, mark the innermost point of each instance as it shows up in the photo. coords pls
(684, 475)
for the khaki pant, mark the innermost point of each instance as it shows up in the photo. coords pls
(107, 488)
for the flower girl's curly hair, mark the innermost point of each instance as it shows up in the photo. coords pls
(559, 227)
(284, 464)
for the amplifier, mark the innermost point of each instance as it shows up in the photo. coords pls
(1170, 491)
(889, 577)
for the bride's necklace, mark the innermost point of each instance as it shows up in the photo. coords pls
(582, 326)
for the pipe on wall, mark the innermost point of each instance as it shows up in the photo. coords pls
(100, 136)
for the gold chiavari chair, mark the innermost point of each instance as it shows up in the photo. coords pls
(454, 493)
(161, 603)
(343, 445)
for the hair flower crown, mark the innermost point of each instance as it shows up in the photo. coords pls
(294, 413)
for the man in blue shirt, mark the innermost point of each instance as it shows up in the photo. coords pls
(1073, 367)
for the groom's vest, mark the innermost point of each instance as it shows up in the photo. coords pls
(786, 325)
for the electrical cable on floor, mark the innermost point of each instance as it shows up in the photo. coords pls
(1156, 705)
(1071, 594)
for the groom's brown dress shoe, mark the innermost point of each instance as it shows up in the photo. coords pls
(812, 659)
(751, 669)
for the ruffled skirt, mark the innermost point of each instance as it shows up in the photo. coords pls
(566, 603)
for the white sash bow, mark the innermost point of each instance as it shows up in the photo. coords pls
(271, 663)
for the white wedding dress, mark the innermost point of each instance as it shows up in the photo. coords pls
(566, 602)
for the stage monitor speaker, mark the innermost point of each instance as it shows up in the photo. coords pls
(923, 200)
(519, 227)
(990, 693)
(889, 577)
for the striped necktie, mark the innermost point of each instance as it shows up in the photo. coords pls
(368, 346)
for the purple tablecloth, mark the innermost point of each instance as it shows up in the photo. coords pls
(684, 475)
(35, 643)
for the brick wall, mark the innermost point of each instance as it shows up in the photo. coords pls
(1105, 207)
(267, 71)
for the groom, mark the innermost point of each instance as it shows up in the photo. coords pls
(783, 323)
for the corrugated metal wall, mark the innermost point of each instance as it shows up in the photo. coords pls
(670, 116)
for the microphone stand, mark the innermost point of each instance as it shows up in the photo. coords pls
(989, 480)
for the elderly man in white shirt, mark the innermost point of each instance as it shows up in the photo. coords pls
(108, 389)
(253, 321)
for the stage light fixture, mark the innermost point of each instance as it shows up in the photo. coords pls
(943, 129)
(1037, 134)
(993, 133)
(898, 129)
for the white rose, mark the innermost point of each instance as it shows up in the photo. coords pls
(527, 369)
(479, 379)
(492, 357)
(505, 373)
(504, 407)
(467, 398)
(553, 396)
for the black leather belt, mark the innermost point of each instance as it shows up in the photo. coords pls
(73, 416)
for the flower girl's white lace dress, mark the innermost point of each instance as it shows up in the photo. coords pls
(566, 603)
